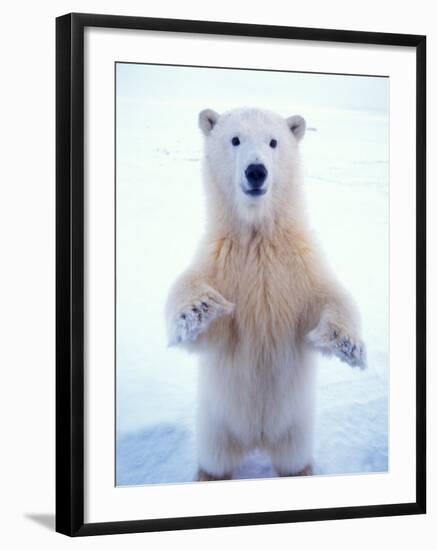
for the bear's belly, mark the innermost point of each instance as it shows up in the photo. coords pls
(255, 401)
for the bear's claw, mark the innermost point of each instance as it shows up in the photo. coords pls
(352, 353)
(196, 318)
(330, 340)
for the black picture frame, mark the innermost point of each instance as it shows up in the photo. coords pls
(70, 273)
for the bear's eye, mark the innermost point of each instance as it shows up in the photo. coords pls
(273, 143)
(235, 141)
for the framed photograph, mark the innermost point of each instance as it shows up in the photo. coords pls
(240, 274)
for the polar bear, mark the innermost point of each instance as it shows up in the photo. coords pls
(258, 299)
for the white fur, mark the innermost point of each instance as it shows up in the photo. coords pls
(257, 299)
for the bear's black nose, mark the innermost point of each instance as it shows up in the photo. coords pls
(256, 175)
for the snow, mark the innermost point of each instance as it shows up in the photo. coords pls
(160, 217)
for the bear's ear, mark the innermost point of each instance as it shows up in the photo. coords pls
(297, 125)
(207, 120)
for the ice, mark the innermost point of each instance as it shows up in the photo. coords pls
(160, 217)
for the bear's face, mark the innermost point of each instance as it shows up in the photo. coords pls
(251, 154)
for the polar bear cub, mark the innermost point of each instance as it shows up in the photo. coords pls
(258, 299)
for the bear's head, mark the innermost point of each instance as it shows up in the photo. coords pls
(251, 160)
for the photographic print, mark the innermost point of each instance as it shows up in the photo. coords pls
(240, 274)
(252, 274)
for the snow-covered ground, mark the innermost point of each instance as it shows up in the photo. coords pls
(160, 217)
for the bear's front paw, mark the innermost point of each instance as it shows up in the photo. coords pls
(196, 317)
(332, 340)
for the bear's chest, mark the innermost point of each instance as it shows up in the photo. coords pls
(268, 284)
